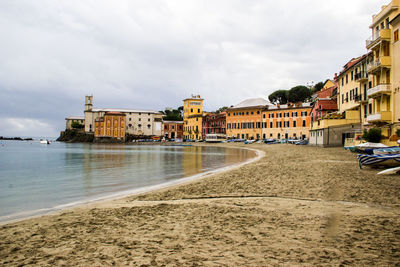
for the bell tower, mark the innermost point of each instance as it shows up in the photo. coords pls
(88, 102)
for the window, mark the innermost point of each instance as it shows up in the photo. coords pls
(148, 114)
(370, 84)
(342, 98)
(294, 123)
(342, 81)
(271, 125)
(396, 35)
(148, 119)
(347, 78)
(370, 108)
(304, 123)
(347, 96)
(352, 75)
(258, 112)
(247, 113)
(252, 113)
(365, 111)
(140, 119)
(140, 113)
(198, 110)
(263, 116)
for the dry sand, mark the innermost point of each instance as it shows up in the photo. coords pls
(297, 206)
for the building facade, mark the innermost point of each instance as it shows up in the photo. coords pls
(383, 94)
(192, 117)
(138, 122)
(290, 121)
(110, 126)
(214, 123)
(74, 119)
(243, 121)
(395, 22)
(173, 129)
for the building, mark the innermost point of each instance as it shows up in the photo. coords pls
(173, 129)
(325, 101)
(334, 128)
(395, 23)
(243, 121)
(138, 122)
(383, 47)
(289, 121)
(192, 117)
(74, 119)
(110, 126)
(214, 123)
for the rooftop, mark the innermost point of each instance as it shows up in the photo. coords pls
(125, 110)
(252, 102)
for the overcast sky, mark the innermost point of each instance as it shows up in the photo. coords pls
(153, 54)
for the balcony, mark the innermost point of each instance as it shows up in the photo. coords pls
(383, 116)
(382, 35)
(360, 98)
(382, 62)
(379, 90)
(361, 76)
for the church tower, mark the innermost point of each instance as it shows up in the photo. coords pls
(88, 102)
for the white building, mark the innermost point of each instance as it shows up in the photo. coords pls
(138, 122)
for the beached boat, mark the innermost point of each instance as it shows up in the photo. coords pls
(389, 160)
(387, 150)
(369, 145)
(215, 138)
(47, 142)
(395, 170)
(249, 141)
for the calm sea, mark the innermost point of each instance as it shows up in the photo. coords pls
(37, 178)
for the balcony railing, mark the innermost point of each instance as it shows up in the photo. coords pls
(360, 98)
(363, 75)
(383, 116)
(384, 61)
(383, 34)
(379, 89)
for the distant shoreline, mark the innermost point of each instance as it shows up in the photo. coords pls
(16, 138)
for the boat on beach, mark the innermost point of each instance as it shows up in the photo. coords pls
(387, 160)
(46, 142)
(387, 150)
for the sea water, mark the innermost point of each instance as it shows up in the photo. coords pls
(37, 178)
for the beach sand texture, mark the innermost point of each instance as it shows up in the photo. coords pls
(297, 206)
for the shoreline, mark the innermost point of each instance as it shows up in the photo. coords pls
(128, 193)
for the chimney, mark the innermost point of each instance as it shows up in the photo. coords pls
(335, 77)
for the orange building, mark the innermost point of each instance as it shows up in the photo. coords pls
(244, 120)
(287, 121)
(112, 125)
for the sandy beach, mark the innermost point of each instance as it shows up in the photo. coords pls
(296, 206)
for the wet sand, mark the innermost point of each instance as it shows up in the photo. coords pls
(297, 205)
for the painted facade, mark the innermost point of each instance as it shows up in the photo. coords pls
(173, 129)
(138, 122)
(192, 117)
(214, 123)
(291, 121)
(111, 125)
(243, 121)
(396, 73)
(381, 45)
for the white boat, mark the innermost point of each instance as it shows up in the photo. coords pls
(390, 171)
(47, 142)
(369, 145)
(215, 138)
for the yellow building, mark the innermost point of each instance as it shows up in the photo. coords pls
(382, 45)
(192, 117)
(334, 128)
(396, 73)
(291, 121)
(112, 125)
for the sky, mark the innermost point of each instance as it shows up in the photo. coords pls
(153, 54)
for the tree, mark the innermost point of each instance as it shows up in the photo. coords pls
(172, 114)
(222, 109)
(77, 125)
(279, 96)
(299, 93)
(318, 87)
(373, 135)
